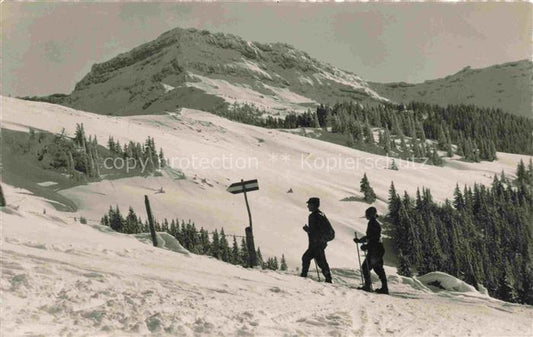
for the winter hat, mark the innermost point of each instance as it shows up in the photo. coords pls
(314, 201)
(371, 211)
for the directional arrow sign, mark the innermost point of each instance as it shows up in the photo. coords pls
(243, 186)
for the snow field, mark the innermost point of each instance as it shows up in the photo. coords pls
(63, 278)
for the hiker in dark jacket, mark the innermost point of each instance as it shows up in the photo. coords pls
(375, 251)
(318, 233)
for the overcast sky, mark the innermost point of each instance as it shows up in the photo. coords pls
(47, 48)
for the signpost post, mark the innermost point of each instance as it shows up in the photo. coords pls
(150, 220)
(243, 187)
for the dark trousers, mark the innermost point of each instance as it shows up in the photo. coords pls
(317, 253)
(376, 263)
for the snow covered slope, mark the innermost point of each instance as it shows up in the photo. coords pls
(214, 152)
(61, 278)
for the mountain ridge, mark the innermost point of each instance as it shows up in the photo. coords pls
(199, 69)
(507, 86)
(211, 71)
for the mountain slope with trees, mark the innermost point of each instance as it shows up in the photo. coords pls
(482, 236)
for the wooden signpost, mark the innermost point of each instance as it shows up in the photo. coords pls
(150, 220)
(2, 199)
(243, 187)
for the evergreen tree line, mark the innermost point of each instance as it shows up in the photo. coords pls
(410, 131)
(81, 157)
(355, 132)
(251, 114)
(482, 236)
(404, 129)
(196, 241)
(508, 133)
(487, 130)
(76, 156)
(145, 153)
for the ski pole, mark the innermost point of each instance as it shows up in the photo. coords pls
(368, 268)
(317, 274)
(359, 259)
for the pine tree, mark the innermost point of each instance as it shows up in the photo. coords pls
(162, 159)
(475, 151)
(358, 133)
(79, 136)
(116, 221)
(415, 148)
(204, 241)
(91, 169)
(315, 123)
(403, 266)
(442, 140)
(459, 202)
(165, 226)
(104, 221)
(367, 190)
(411, 130)
(215, 246)
(131, 226)
(435, 159)
(386, 141)
(395, 126)
(283, 263)
(393, 165)
(244, 253)
(403, 147)
(421, 133)
(224, 247)
(449, 148)
(468, 150)
(235, 253)
(369, 135)
(492, 151)
(506, 290)
(260, 261)
(70, 163)
(522, 176)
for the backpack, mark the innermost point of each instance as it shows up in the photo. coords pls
(329, 232)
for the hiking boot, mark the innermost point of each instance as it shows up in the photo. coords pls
(328, 278)
(383, 290)
(304, 275)
(366, 287)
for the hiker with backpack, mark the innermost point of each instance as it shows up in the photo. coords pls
(375, 252)
(319, 232)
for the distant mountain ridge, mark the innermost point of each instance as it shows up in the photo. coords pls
(199, 69)
(203, 70)
(507, 86)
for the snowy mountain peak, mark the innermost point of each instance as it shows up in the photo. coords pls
(207, 70)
